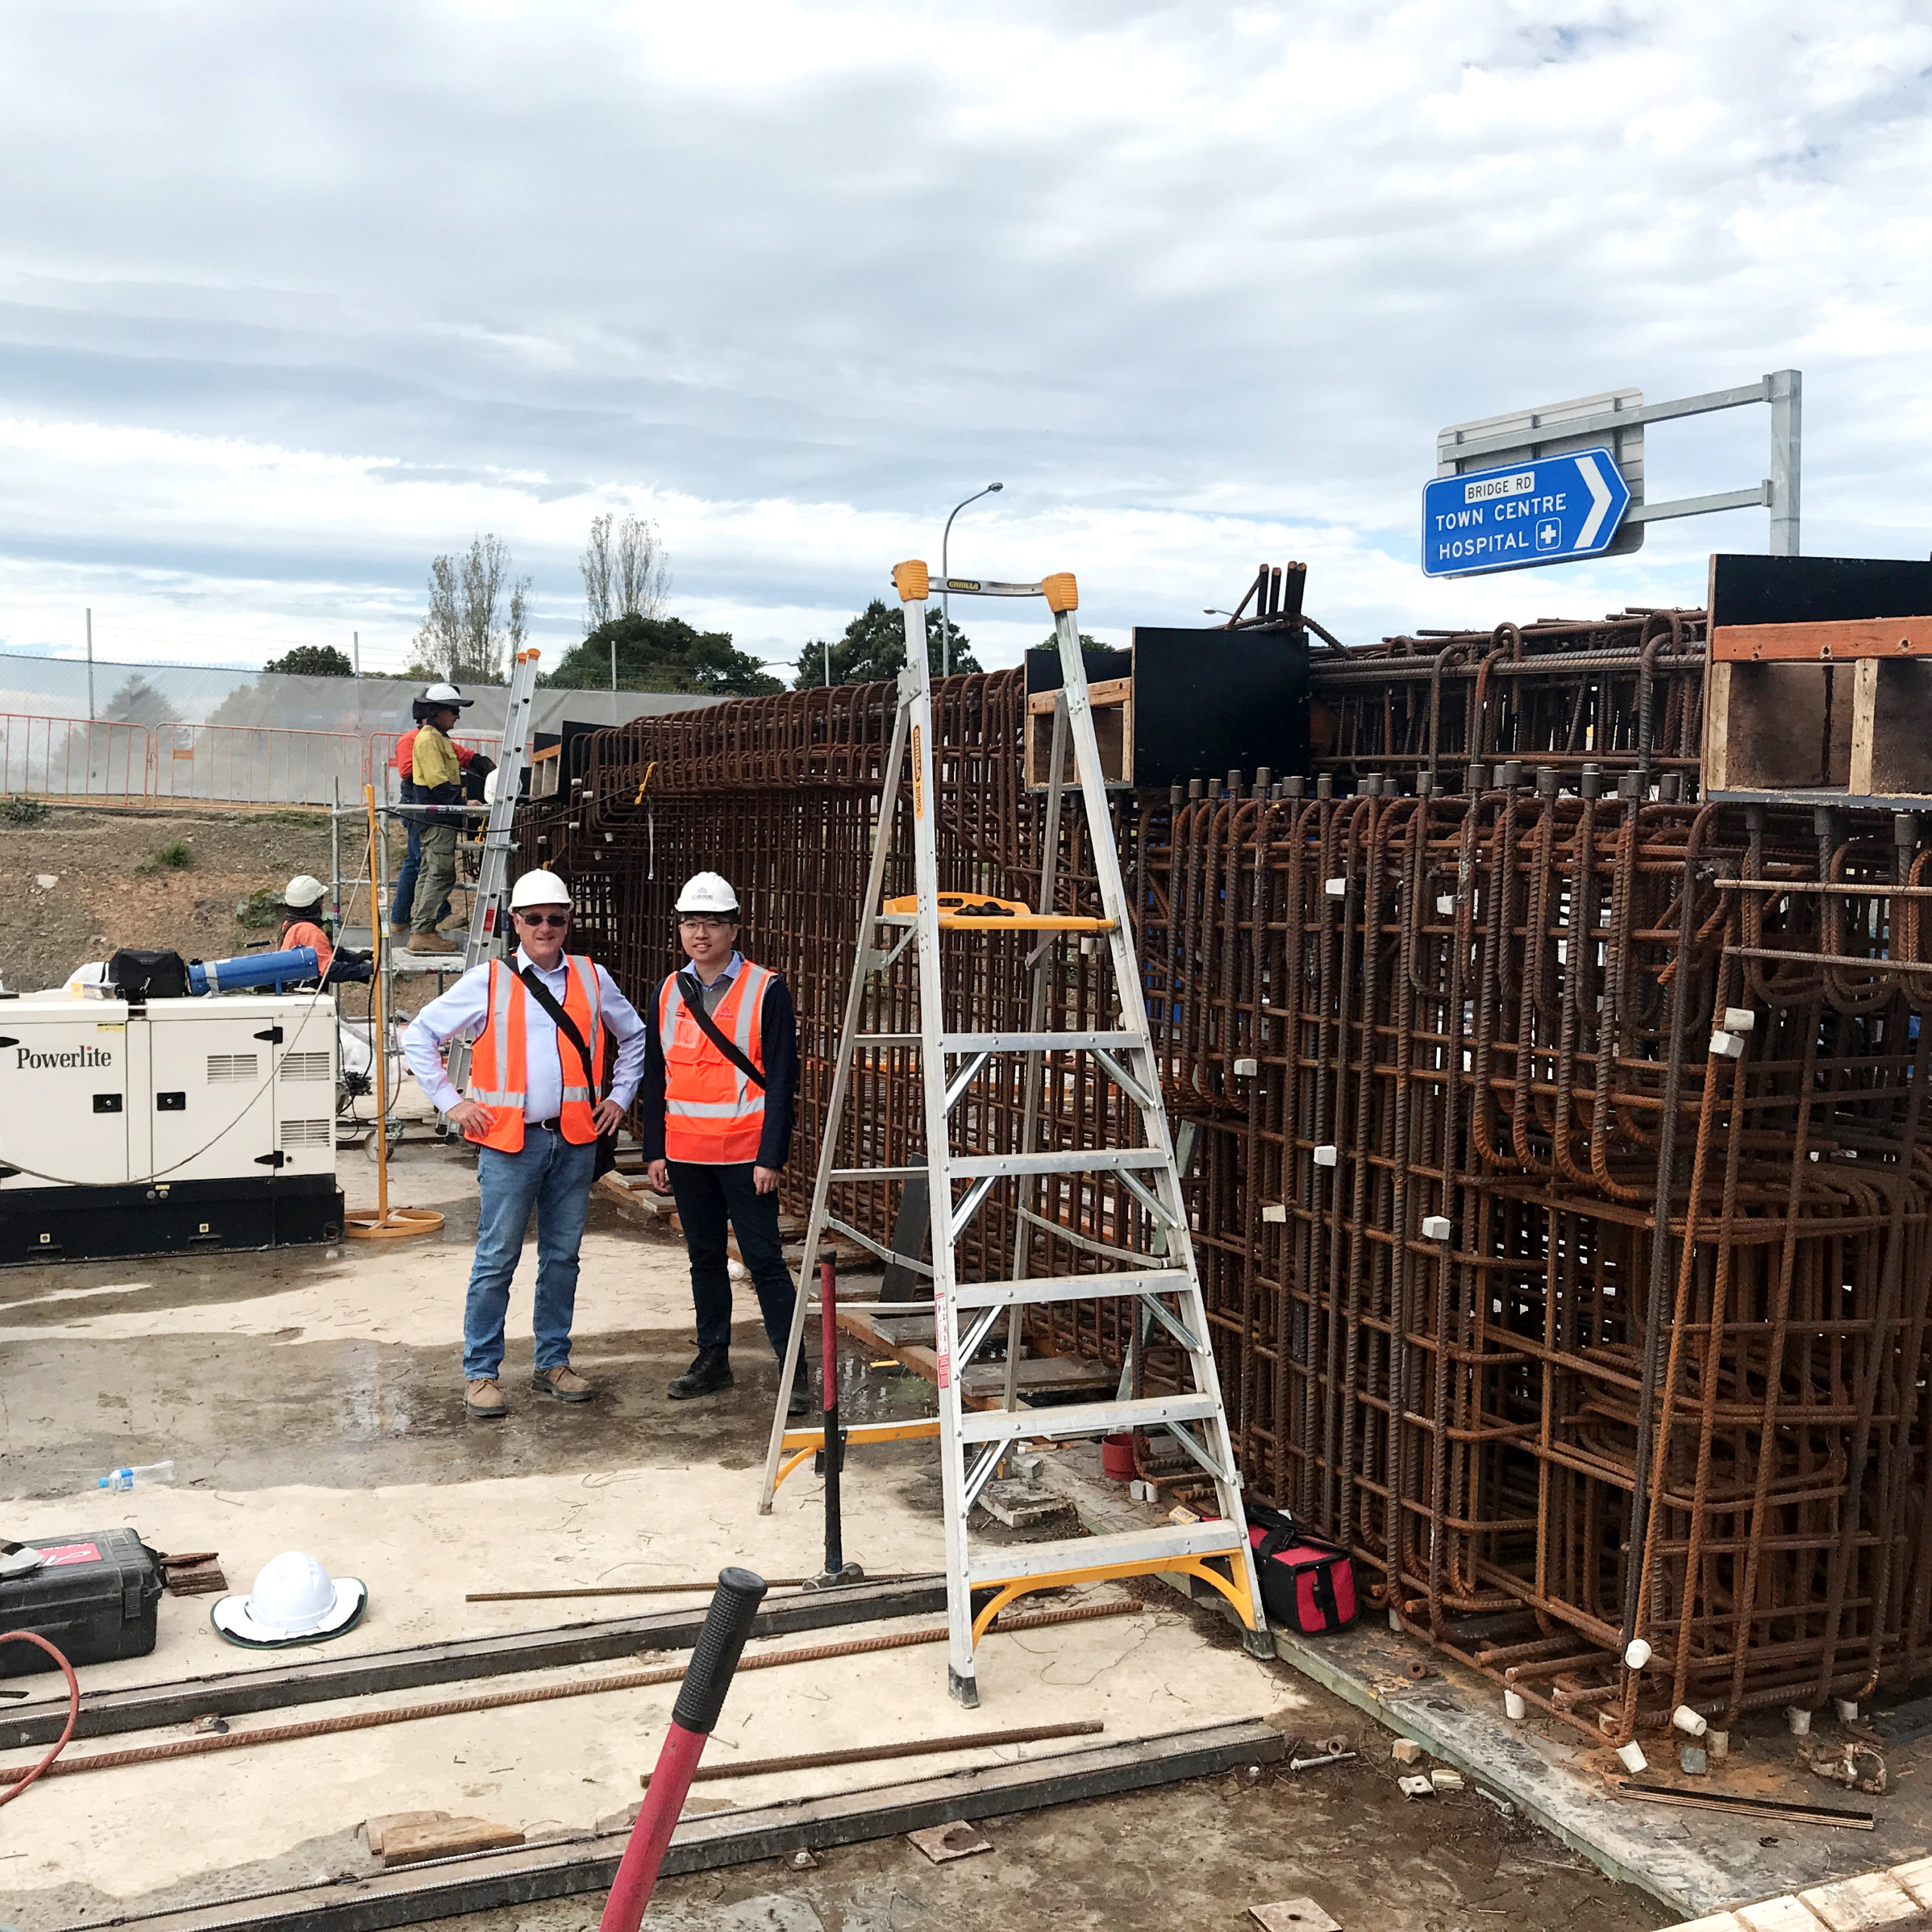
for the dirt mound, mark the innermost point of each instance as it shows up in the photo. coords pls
(82, 883)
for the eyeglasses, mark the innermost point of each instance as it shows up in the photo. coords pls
(706, 925)
(545, 918)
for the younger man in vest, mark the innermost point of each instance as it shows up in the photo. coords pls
(533, 1111)
(716, 1126)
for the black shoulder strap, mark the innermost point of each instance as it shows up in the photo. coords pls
(693, 995)
(566, 1025)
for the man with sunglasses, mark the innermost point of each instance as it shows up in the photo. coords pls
(720, 1076)
(532, 1109)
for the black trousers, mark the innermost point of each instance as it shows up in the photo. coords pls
(711, 1200)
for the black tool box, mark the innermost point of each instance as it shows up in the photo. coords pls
(93, 1598)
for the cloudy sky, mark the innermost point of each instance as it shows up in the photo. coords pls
(293, 296)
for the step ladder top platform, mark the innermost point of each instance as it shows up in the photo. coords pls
(962, 912)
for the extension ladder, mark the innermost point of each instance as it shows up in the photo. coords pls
(1162, 1279)
(489, 911)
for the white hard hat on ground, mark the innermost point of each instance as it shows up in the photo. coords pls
(295, 1601)
(449, 694)
(706, 892)
(539, 888)
(302, 892)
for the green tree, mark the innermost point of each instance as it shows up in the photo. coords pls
(663, 654)
(873, 648)
(312, 660)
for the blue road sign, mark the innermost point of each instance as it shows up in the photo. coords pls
(1553, 510)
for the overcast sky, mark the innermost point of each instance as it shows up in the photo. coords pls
(293, 296)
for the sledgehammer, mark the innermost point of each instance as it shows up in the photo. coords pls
(701, 1697)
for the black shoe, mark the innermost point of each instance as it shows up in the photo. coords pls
(799, 1403)
(710, 1372)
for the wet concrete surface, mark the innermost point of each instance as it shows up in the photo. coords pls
(1194, 1856)
(250, 1412)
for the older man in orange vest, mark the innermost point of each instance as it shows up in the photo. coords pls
(533, 1110)
(720, 1076)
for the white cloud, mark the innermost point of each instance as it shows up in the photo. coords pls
(290, 300)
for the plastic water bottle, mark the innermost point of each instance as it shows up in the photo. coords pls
(140, 1472)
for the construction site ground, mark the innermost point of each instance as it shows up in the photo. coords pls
(312, 1399)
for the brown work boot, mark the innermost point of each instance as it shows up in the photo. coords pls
(564, 1384)
(484, 1401)
(431, 942)
(399, 929)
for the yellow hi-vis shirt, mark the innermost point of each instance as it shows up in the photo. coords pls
(435, 760)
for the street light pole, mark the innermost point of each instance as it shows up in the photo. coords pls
(945, 604)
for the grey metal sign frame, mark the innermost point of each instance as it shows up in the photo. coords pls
(1617, 417)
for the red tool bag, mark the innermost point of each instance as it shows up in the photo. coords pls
(1308, 1584)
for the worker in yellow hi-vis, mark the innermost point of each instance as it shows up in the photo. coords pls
(436, 780)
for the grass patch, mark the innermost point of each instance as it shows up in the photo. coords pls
(24, 811)
(260, 910)
(178, 855)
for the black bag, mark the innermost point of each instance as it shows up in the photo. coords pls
(1308, 1583)
(607, 1143)
(137, 975)
(93, 1599)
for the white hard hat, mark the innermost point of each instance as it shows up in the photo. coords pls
(303, 890)
(449, 694)
(295, 1601)
(705, 892)
(539, 888)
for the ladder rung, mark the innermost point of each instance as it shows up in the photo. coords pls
(879, 1173)
(1078, 1161)
(1070, 1288)
(1006, 1563)
(1035, 1043)
(1085, 1418)
(888, 1039)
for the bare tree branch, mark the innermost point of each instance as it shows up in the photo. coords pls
(467, 628)
(595, 565)
(642, 578)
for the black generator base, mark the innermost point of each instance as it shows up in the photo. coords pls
(99, 1223)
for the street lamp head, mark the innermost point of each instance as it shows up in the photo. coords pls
(992, 487)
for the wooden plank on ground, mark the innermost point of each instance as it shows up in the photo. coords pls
(531, 1873)
(908, 1340)
(230, 1693)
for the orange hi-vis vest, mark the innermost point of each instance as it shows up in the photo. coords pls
(497, 1076)
(713, 1115)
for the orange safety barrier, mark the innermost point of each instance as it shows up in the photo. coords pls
(73, 758)
(246, 765)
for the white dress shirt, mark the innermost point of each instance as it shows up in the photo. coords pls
(465, 1006)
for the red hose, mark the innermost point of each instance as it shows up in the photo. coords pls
(73, 1707)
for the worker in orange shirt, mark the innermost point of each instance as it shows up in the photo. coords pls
(302, 920)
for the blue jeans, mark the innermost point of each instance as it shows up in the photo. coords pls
(405, 879)
(553, 1176)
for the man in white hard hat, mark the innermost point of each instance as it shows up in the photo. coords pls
(435, 779)
(302, 919)
(533, 1110)
(402, 906)
(720, 1078)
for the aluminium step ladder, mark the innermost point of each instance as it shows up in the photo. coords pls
(1161, 1278)
(489, 910)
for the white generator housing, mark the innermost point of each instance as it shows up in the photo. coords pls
(151, 1127)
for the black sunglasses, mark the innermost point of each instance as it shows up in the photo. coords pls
(545, 918)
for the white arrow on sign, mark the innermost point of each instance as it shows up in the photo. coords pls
(1599, 491)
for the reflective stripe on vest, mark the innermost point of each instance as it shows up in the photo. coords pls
(713, 1113)
(498, 1078)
